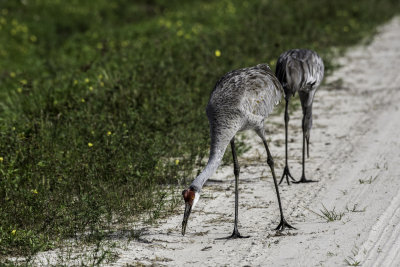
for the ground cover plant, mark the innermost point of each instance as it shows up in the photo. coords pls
(102, 103)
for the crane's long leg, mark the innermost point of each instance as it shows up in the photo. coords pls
(303, 178)
(286, 172)
(236, 171)
(283, 224)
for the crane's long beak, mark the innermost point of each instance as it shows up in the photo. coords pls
(188, 209)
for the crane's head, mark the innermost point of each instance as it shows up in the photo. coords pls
(191, 197)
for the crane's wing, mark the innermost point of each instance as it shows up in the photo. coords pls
(263, 91)
(252, 90)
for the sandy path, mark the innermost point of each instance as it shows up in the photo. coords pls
(355, 155)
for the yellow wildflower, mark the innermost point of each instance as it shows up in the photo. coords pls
(272, 62)
(90, 88)
(75, 82)
(176, 161)
(87, 80)
(24, 82)
(180, 33)
(101, 84)
(108, 133)
(34, 191)
(124, 43)
(83, 100)
(1, 159)
(14, 232)
(12, 74)
(90, 144)
(19, 90)
(217, 53)
(33, 38)
(100, 76)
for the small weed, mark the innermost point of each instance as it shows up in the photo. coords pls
(355, 209)
(350, 261)
(329, 215)
(368, 181)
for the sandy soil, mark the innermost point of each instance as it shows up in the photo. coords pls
(355, 155)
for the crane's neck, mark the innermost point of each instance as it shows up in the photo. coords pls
(216, 154)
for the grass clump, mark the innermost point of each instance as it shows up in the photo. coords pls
(102, 102)
(329, 215)
(368, 181)
(351, 261)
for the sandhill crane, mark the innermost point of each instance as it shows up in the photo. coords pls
(299, 70)
(241, 100)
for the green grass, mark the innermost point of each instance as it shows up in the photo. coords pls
(102, 102)
(329, 215)
(368, 181)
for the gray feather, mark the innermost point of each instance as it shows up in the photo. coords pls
(299, 70)
(240, 100)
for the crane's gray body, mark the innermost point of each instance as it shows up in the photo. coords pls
(241, 100)
(301, 70)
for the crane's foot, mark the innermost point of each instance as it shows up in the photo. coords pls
(286, 174)
(283, 225)
(303, 179)
(234, 235)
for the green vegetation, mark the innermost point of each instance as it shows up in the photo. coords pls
(351, 261)
(330, 215)
(102, 102)
(368, 181)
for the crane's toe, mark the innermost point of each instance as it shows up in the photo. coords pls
(284, 225)
(234, 235)
(303, 179)
(286, 174)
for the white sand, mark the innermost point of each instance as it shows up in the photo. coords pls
(356, 137)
